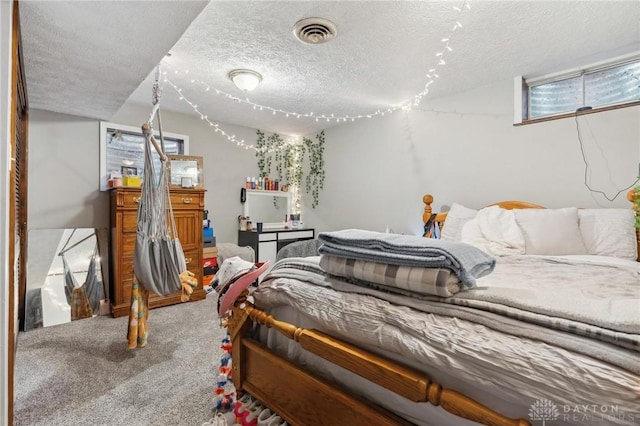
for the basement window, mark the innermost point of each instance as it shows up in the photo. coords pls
(122, 150)
(600, 87)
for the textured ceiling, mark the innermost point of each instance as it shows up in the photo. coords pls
(378, 59)
(86, 57)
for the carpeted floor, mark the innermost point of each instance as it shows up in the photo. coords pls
(82, 373)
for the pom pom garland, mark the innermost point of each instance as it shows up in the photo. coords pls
(223, 400)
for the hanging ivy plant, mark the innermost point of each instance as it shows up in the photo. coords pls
(290, 162)
(261, 154)
(315, 177)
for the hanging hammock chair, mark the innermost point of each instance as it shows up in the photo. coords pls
(84, 299)
(93, 282)
(158, 258)
(159, 265)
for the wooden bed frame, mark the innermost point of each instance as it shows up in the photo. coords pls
(302, 398)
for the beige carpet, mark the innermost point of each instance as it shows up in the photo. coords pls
(82, 373)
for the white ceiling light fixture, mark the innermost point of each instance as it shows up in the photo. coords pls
(246, 80)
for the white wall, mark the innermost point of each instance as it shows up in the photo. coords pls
(6, 10)
(64, 168)
(226, 166)
(63, 173)
(465, 149)
(462, 148)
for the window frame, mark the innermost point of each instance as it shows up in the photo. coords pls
(106, 126)
(522, 87)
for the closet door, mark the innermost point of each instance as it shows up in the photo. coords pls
(19, 177)
(17, 198)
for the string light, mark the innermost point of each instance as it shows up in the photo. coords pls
(216, 126)
(415, 101)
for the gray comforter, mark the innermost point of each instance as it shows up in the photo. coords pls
(583, 305)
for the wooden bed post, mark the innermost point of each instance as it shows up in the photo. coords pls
(634, 197)
(428, 211)
(238, 324)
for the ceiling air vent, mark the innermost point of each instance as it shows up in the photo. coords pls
(314, 30)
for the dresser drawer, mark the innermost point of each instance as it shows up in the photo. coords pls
(131, 199)
(295, 235)
(188, 227)
(186, 200)
(179, 200)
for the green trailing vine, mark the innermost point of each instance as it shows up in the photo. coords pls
(315, 177)
(276, 143)
(261, 154)
(264, 147)
(291, 160)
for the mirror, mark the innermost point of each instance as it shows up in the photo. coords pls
(185, 171)
(65, 276)
(268, 207)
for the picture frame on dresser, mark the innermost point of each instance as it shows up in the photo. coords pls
(128, 171)
(183, 168)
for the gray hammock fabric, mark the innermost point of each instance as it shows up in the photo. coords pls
(70, 282)
(93, 283)
(158, 258)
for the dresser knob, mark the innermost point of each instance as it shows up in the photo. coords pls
(136, 200)
(186, 200)
(187, 260)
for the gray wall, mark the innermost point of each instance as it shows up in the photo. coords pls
(64, 168)
(463, 148)
(226, 166)
(63, 173)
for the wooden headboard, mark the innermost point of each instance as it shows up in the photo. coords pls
(427, 199)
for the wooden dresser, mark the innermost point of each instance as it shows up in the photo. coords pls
(188, 206)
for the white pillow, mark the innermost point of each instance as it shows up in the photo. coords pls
(609, 232)
(456, 218)
(494, 230)
(552, 232)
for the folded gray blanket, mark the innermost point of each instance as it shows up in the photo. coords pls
(466, 261)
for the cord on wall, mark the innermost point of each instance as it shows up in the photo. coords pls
(586, 164)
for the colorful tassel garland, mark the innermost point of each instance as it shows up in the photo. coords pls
(224, 401)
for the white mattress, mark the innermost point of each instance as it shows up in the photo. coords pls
(506, 373)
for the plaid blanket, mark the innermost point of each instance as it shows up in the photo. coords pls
(466, 261)
(427, 281)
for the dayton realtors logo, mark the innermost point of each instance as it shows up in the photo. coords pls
(545, 410)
